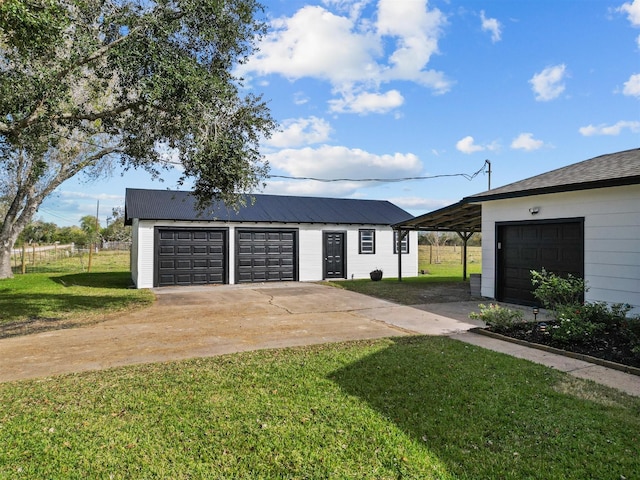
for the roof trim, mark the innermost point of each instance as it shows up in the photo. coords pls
(609, 170)
(573, 187)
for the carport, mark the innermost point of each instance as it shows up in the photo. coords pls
(463, 218)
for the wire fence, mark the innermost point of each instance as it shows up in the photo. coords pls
(71, 258)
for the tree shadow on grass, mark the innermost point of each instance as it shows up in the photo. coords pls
(31, 312)
(39, 312)
(121, 280)
(487, 415)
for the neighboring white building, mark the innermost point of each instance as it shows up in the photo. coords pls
(582, 219)
(277, 238)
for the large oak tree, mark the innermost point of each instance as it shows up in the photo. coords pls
(89, 85)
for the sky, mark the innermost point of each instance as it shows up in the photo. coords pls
(375, 91)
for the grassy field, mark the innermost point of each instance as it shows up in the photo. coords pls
(44, 301)
(446, 261)
(66, 261)
(413, 407)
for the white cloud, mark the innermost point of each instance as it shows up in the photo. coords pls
(525, 141)
(316, 43)
(548, 84)
(632, 86)
(313, 188)
(468, 145)
(420, 203)
(633, 12)
(300, 131)
(331, 162)
(417, 31)
(350, 52)
(71, 195)
(364, 103)
(615, 129)
(299, 98)
(352, 7)
(491, 25)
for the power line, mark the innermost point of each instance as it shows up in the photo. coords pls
(467, 176)
(385, 180)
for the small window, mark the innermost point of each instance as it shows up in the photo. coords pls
(404, 244)
(367, 241)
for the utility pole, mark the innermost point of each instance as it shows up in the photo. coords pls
(488, 164)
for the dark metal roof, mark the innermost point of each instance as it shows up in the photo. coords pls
(179, 205)
(459, 217)
(612, 170)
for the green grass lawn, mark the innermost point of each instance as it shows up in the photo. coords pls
(448, 261)
(413, 407)
(410, 291)
(43, 301)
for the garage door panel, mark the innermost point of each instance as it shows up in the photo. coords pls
(557, 246)
(166, 250)
(265, 256)
(528, 254)
(190, 256)
(550, 255)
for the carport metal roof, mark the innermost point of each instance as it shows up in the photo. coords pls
(463, 217)
(459, 217)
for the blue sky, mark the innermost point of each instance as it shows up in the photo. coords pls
(388, 89)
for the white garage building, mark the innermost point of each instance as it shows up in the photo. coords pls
(277, 238)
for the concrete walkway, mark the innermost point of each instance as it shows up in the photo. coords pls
(190, 322)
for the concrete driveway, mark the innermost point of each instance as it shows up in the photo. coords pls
(189, 322)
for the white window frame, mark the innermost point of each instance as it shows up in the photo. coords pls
(366, 246)
(404, 245)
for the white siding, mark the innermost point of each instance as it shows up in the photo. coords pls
(310, 250)
(145, 254)
(133, 258)
(611, 237)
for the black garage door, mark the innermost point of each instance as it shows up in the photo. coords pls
(266, 255)
(557, 247)
(190, 256)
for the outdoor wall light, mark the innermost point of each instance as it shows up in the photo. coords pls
(534, 210)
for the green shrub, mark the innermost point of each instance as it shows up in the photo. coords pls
(553, 290)
(575, 325)
(578, 323)
(630, 328)
(501, 318)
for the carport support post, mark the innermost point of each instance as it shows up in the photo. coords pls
(465, 236)
(401, 235)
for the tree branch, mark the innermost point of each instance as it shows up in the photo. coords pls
(99, 115)
(34, 116)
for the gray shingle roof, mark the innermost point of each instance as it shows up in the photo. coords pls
(179, 205)
(614, 169)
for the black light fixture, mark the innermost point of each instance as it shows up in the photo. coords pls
(536, 311)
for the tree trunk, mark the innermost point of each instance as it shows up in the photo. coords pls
(24, 206)
(5, 260)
